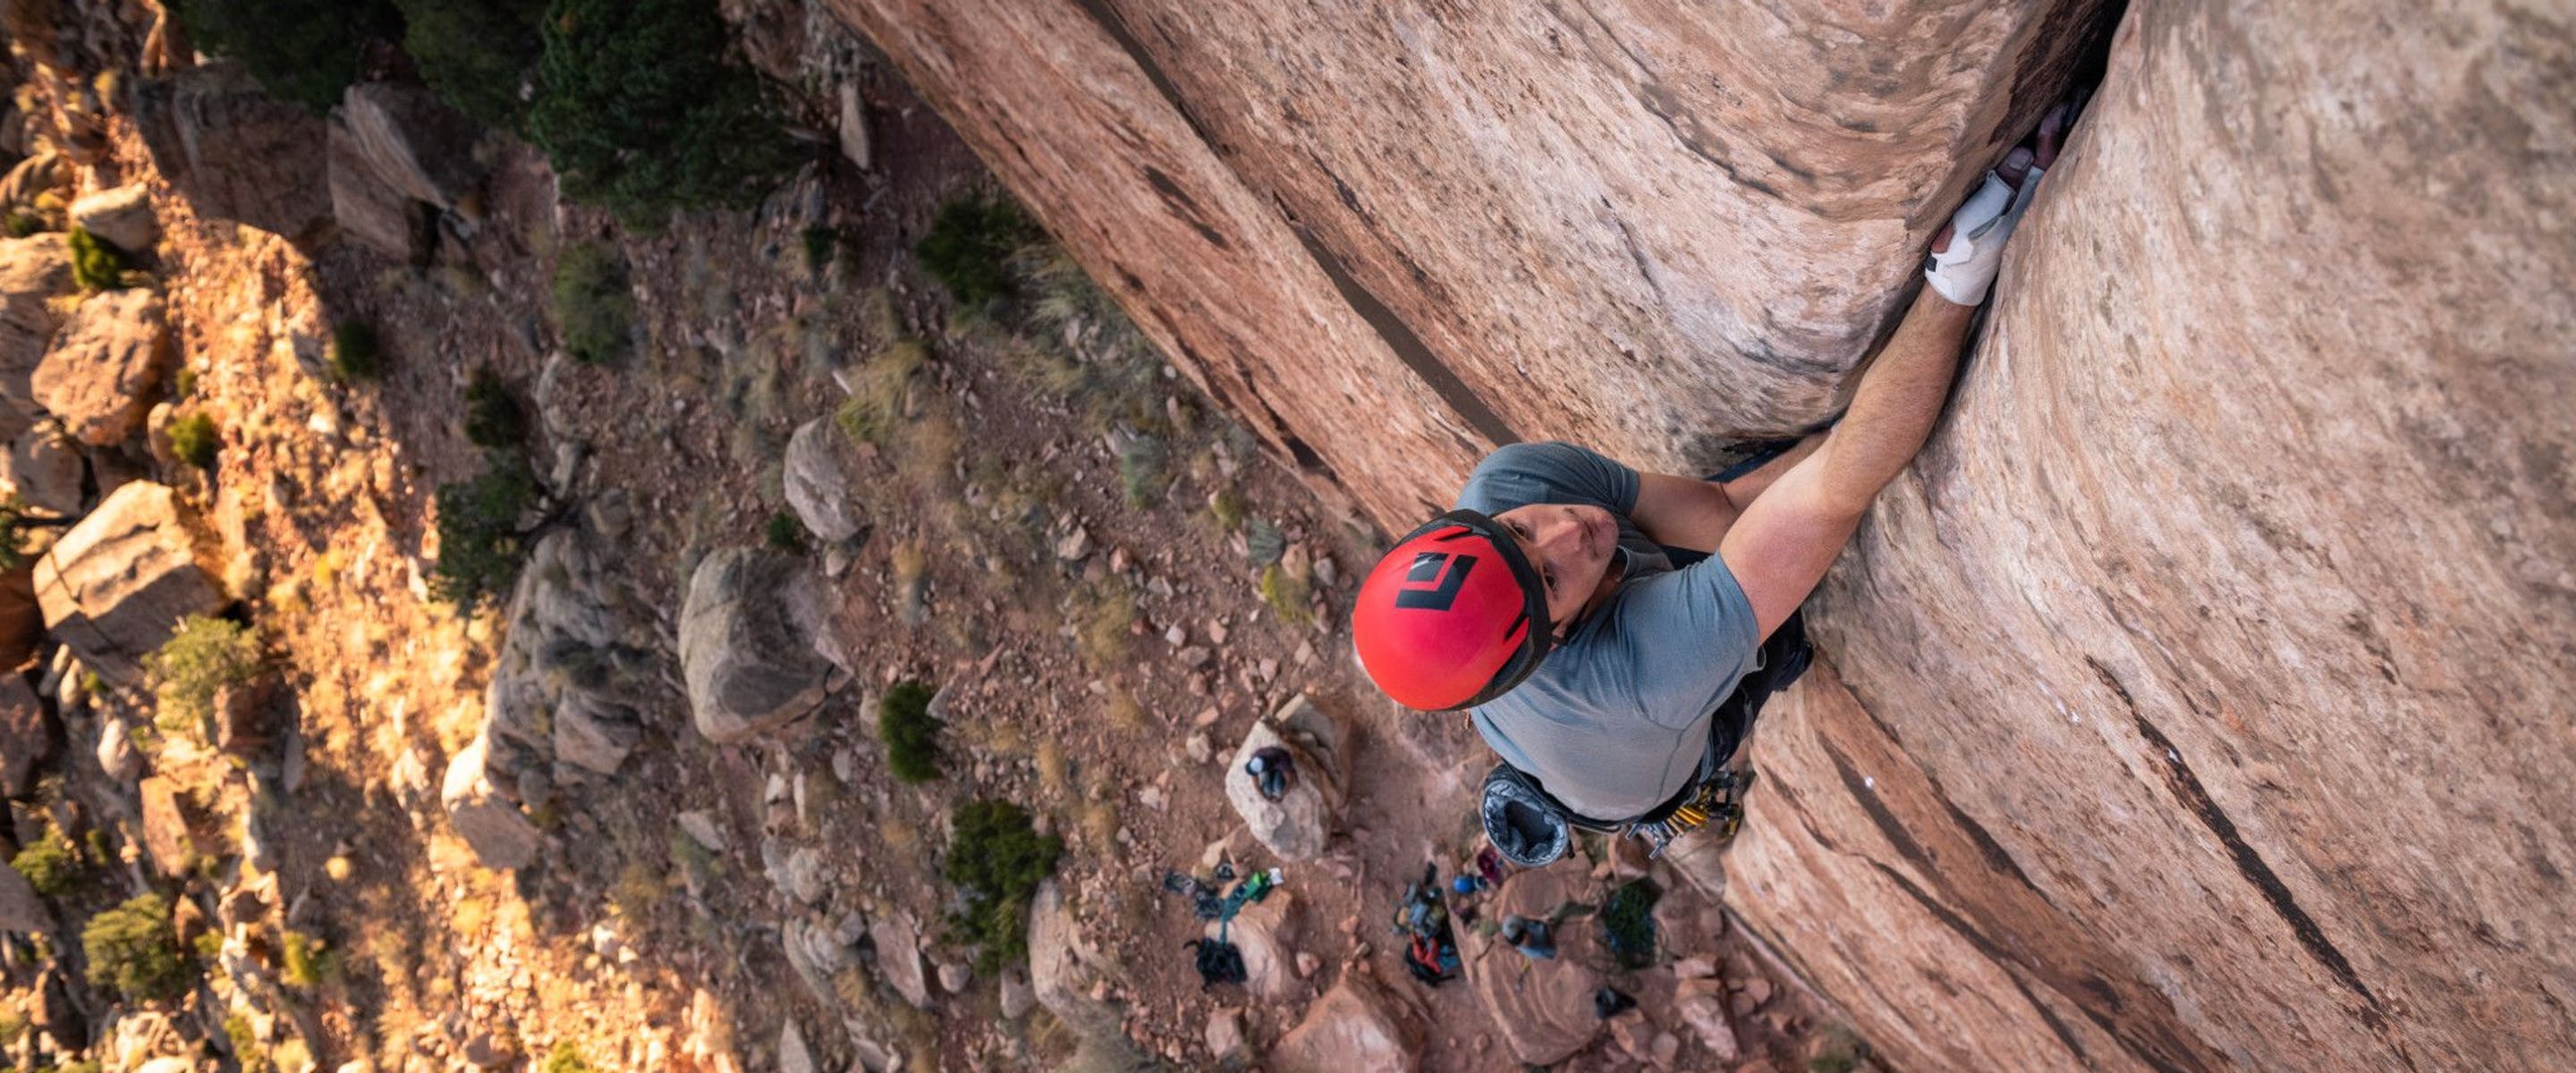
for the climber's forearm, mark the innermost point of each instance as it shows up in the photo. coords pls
(1899, 399)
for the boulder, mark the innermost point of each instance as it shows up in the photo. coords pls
(116, 584)
(1296, 826)
(115, 751)
(1701, 1004)
(1260, 930)
(33, 271)
(1350, 1028)
(413, 141)
(1066, 970)
(105, 363)
(898, 944)
(26, 735)
(748, 644)
(123, 216)
(370, 210)
(793, 1055)
(1542, 1010)
(1225, 1040)
(46, 470)
(172, 827)
(819, 480)
(232, 150)
(492, 824)
(565, 681)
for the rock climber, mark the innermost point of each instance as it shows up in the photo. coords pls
(1560, 603)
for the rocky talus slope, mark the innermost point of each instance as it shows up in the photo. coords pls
(2199, 700)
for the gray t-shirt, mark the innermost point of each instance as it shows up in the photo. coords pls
(1617, 717)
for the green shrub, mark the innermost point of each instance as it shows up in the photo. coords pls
(564, 1058)
(996, 863)
(195, 440)
(480, 543)
(1140, 470)
(494, 419)
(911, 733)
(1628, 923)
(134, 950)
(641, 112)
(305, 51)
(822, 246)
(247, 1050)
(593, 307)
(305, 963)
(356, 353)
(200, 659)
(96, 266)
(22, 223)
(786, 533)
(971, 244)
(478, 54)
(52, 865)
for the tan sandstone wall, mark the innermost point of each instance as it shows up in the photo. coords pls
(2209, 678)
(2202, 696)
(1393, 236)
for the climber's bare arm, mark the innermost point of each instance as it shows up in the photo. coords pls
(1783, 542)
(1687, 512)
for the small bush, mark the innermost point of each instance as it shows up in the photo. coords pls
(1287, 595)
(200, 659)
(247, 1050)
(196, 441)
(996, 863)
(875, 407)
(593, 307)
(479, 54)
(565, 1058)
(494, 420)
(1140, 470)
(52, 865)
(641, 111)
(822, 246)
(1628, 924)
(22, 223)
(786, 533)
(356, 353)
(134, 950)
(96, 266)
(305, 51)
(305, 963)
(970, 246)
(480, 544)
(911, 733)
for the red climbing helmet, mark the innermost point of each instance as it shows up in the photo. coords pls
(1453, 616)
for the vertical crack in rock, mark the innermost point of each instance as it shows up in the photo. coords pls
(1391, 329)
(2186, 786)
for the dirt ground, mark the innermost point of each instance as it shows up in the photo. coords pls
(1075, 683)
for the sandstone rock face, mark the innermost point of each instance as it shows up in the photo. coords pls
(20, 909)
(1350, 1028)
(45, 469)
(1648, 227)
(1541, 1010)
(748, 644)
(100, 372)
(123, 216)
(1260, 930)
(116, 584)
(232, 150)
(26, 735)
(169, 829)
(32, 270)
(2207, 679)
(369, 209)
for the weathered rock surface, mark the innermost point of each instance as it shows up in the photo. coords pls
(819, 481)
(32, 271)
(898, 944)
(1296, 826)
(1260, 930)
(1541, 1010)
(26, 735)
(420, 147)
(2206, 680)
(369, 209)
(749, 644)
(489, 822)
(170, 827)
(570, 673)
(20, 909)
(116, 584)
(1352, 1027)
(1478, 228)
(232, 150)
(123, 216)
(104, 364)
(1065, 967)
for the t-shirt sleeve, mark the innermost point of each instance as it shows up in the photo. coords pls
(1525, 473)
(1690, 635)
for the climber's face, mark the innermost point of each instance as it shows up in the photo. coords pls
(1570, 546)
